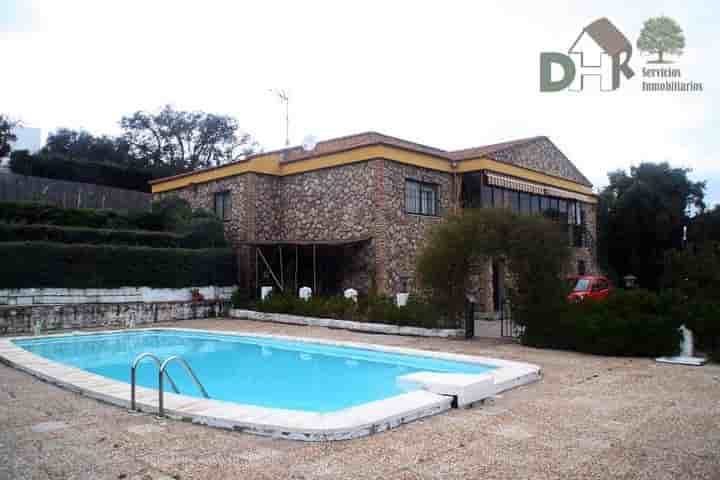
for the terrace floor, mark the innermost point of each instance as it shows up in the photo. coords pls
(590, 417)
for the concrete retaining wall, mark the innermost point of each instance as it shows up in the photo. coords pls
(73, 296)
(346, 324)
(22, 318)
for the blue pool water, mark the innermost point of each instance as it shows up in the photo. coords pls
(250, 370)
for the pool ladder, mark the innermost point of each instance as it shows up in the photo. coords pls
(161, 375)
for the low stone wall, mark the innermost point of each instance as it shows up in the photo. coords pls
(21, 319)
(73, 296)
(346, 324)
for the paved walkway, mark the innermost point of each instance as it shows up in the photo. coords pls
(589, 418)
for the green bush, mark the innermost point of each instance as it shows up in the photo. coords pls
(373, 309)
(11, 232)
(171, 223)
(43, 264)
(627, 323)
(703, 318)
(534, 248)
(30, 213)
(61, 168)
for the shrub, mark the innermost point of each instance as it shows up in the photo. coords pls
(61, 168)
(535, 248)
(627, 323)
(703, 318)
(368, 309)
(28, 212)
(43, 264)
(194, 229)
(10, 232)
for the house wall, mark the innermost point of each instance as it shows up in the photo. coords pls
(334, 203)
(202, 196)
(401, 235)
(341, 203)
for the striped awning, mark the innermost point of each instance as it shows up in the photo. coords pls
(510, 183)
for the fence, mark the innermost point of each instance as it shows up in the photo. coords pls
(66, 194)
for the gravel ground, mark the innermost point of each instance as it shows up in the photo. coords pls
(590, 417)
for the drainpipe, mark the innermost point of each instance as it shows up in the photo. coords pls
(456, 187)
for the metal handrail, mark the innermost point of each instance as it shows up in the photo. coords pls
(186, 366)
(133, 375)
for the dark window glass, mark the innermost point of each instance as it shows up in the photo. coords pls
(221, 205)
(544, 204)
(487, 196)
(421, 198)
(553, 209)
(515, 201)
(412, 197)
(498, 197)
(507, 199)
(524, 203)
(562, 210)
(535, 204)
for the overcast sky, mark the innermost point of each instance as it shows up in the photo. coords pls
(451, 75)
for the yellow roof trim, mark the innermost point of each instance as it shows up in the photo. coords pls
(271, 164)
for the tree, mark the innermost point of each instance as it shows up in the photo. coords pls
(705, 227)
(641, 216)
(535, 248)
(80, 145)
(661, 35)
(6, 135)
(185, 140)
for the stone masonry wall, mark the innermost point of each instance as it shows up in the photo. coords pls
(202, 195)
(357, 200)
(404, 234)
(541, 156)
(333, 203)
(21, 319)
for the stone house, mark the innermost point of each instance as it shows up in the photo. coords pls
(354, 211)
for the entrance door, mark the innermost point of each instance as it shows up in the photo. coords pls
(498, 285)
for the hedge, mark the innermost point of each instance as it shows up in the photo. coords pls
(87, 172)
(371, 309)
(628, 323)
(45, 264)
(30, 212)
(203, 237)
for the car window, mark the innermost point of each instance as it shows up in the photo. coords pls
(582, 285)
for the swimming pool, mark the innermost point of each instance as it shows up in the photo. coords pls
(272, 385)
(249, 370)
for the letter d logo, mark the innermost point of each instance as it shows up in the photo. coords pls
(546, 82)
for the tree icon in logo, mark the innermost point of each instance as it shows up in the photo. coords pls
(661, 35)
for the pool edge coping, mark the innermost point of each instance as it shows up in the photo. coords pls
(435, 397)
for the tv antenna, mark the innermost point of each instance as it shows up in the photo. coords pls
(284, 98)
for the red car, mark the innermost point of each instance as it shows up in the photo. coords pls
(589, 286)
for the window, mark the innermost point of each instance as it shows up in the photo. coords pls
(535, 204)
(497, 197)
(514, 201)
(525, 203)
(421, 198)
(222, 205)
(487, 196)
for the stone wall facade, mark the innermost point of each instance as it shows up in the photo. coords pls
(20, 319)
(202, 195)
(402, 234)
(357, 200)
(542, 156)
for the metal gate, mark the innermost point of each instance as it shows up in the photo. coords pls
(508, 327)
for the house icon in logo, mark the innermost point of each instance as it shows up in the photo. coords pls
(600, 50)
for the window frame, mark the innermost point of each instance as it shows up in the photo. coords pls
(224, 199)
(425, 207)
